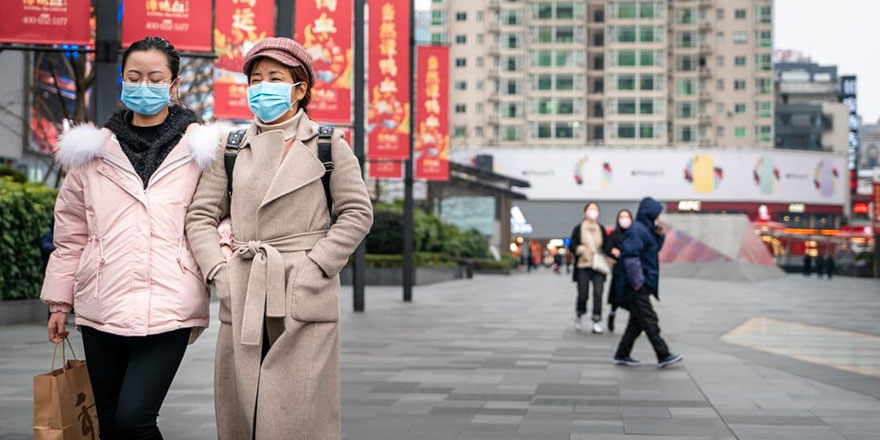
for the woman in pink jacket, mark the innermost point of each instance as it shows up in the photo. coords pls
(122, 262)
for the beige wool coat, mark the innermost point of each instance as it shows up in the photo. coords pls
(284, 272)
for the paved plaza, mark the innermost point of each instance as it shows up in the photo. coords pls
(496, 358)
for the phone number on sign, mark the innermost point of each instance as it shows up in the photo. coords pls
(45, 20)
(167, 26)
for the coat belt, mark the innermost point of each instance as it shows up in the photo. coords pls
(266, 282)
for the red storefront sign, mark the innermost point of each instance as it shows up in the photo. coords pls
(239, 25)
(389, 80)
(876, 202)
(432, 113)
(45, 22)
(386, 169)
(185, 23)
(324, 28)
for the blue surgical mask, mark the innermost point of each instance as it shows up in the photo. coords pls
(145, 98)
(270, 100)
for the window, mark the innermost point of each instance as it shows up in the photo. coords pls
(646, 130)
(512, 65)
(626, 10)
(684, 133)
(564, 82)
(764, 86)
(684, 110)
(685, 39)
(565, 34)
(461, 16)
(437, 38)
(478, 131)
(461, 62)
(740, 38)
(719, 108)
(685, 16)
(626, 131)
(719, 14)
(512, 133)
(646, 107)
(512, 41)
(479, 61)
(764, 109)
(626, 34)
(739, 61)
(545, 82)
(460, 39)
(479, 38)
(511, 110)
(685, 63)
(740, 14)
(720, 60)
(460, 108)
(461, 85)
(646, 34)
(719, 85)
(479, 87)
(626, 58)
(646, 58)
(479, 16)
(764, 133)
(765, 38)
(545, 34)
(765, 14)
(764, 62)
(626, 82)
(545, 130)
(459, 131)
(565, 130)
(719, 37)
(565, 107)
(545, 11)
(626, 107)
(545, 106)
(684, 86)
(739, 132)
(545, 58)
(564, 11)
(647, 10)
(646, 82)
(512, 87)
(739, 108)
(739, 84)
(437, 17)
(564, 58)
(513, 17)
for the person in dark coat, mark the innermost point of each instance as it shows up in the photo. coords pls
(829, 266)
(585, 249)
(808, 265)
(47, 243)
(820, 265)
(618, 279)
(640, 255)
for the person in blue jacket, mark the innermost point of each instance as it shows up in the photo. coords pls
(640, 255)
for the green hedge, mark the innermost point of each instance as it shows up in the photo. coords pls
(25, 214)
(430, 234)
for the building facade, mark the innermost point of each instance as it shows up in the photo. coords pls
(607, 72)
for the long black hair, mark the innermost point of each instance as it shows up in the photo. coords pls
(617, 220)
(160, 44)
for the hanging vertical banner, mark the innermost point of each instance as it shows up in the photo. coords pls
(385, 169)
(240, 24)
(389, 80)
(45, 22)
(432, 113)
(185, 23)
(324, 28)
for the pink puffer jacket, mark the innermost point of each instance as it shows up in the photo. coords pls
(122, 261)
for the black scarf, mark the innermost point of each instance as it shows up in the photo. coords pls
(146, 155)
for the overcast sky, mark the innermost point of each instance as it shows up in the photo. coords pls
(841, 32)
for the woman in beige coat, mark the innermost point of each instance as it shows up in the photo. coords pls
(277, 361)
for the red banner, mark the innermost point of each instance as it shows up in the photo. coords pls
(185, 23)
(432, 113)
(324, 28)
(389, 80)
(876, 203)
(386, 169)
(45, 22)
(239, 25)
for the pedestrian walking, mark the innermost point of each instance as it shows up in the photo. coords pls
(640, 255)
(808, 265)
(829, 266)
(589, 245)
(820, 265)
(277, 359)
(617, 292)
(557, 260)
(121, 261)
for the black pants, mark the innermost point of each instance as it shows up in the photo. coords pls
(642, 318)
(130, 377)
(585, 277)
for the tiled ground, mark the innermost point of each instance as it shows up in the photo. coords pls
(496, 358)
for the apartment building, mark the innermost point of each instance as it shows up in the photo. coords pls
(608, 72)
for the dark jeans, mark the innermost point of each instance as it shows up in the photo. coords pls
(585, 277)
(130, 377)
(642, 318)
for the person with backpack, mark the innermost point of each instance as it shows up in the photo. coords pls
(640, 252)
(120, 262)
(281, 182)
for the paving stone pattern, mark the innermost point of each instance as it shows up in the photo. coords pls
(496, 358)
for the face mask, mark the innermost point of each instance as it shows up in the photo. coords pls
(145, 99)
(270, 100)
(593, 215)
(625, 222)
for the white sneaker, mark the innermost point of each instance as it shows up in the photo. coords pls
(597, 328)
(577, 324)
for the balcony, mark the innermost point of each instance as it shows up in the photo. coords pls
(493, 49)
(705, 96)
(705, 48)
(493, 26)
(705, 25)
(705, 73)
(705, 119)
(494, 5)
(492, 118)
(705, 3)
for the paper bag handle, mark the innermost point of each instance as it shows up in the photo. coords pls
(63, 357)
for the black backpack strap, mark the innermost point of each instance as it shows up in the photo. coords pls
(325, 155)
(233, 144)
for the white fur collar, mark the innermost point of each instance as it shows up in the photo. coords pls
(79, 145)
(204, 143)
